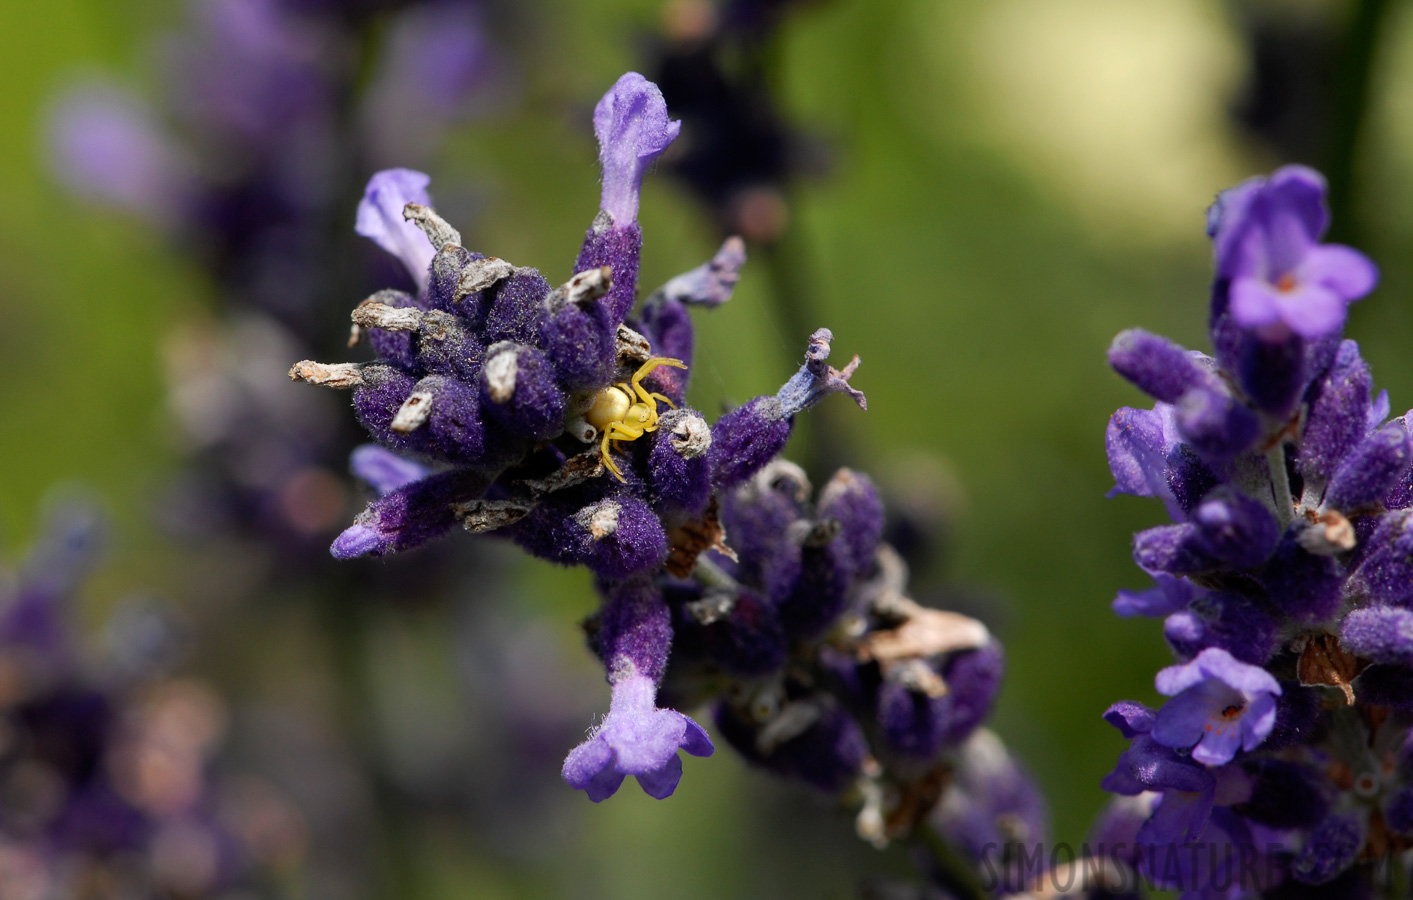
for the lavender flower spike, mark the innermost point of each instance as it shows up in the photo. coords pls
(633, 129)
(380, 219)
(1219, 706)
(636, 737)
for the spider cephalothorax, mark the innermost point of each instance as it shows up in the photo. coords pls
(626, 411)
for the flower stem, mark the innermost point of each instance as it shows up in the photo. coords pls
(950, 871)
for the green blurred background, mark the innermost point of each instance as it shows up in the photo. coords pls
(1014, 181)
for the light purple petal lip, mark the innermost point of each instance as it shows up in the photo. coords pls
(633, 129)
(1221, 706)
(380, 219)
(1342, 269)
(636, 738)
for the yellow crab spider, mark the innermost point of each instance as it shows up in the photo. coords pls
(626, 411)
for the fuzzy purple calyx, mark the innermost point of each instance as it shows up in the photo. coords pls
(1282, 280)
(636, 738)
(1219, 707)
(633, 129)
(380, 219)
(1381, 633)
(817, 379)
(1157, 366)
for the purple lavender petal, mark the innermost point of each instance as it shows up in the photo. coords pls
(1343, 270)
(384, 470)
(1167, 597)
(633, 129)
(380, 219)
(1310, 310)
(1187, 718)
(1130, 718)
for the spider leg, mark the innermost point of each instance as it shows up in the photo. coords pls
(607, 460)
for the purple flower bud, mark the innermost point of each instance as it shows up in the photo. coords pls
(384, 470)
(851, 500)
(747, 438)
(377, 400)
(1149, 766)
(1282, 279)
(758, 518)
(1216, 424)
(616, 535)
(751, 435)
(974, 678)
(1330, 849)
(1177, 549)
(397, 347)
(1381, 633)
(1374, 467)
(516, 308)
(1337, 421)
(1130, 718)
(519, 391)
(633, 129)
(380, 219)
(1235, 529)
(446, 347)
(679, 463)
(636, 737)
(408, 516)
(446, 423)
(1247, 628)
(820, 592)
(582, 345)
(1219, 707)
(1157, 366)
(1386, 574)
(911, 723)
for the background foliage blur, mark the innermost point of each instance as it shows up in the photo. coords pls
(1009, 184)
